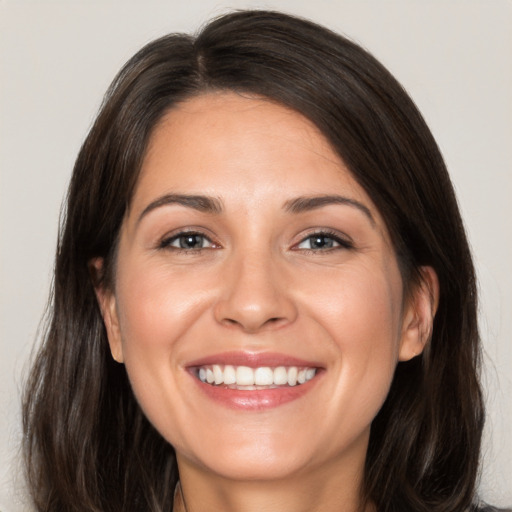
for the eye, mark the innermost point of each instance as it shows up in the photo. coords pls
(189, 241)
(323, 242)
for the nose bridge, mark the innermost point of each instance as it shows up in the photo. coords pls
(254, 292)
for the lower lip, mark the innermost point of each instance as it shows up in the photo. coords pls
(257, 399)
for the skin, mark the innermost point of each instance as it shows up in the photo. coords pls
(259, 285)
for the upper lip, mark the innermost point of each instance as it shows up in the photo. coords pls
(253, 360)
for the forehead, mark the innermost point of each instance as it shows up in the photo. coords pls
(223, 140)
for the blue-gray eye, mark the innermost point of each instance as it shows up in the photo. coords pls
(318, 242)
(322, 241)
(191, 241)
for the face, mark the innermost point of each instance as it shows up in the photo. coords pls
(258, 302)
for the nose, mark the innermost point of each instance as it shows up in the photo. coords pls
(255, 295)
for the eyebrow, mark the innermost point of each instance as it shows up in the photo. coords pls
(304, 204)
(213, 205)
(201, 203)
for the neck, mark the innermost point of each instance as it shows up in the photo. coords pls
(324, 490)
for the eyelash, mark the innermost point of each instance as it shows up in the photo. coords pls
(342, 243)
(166, 243)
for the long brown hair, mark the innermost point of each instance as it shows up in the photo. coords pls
(88, 445)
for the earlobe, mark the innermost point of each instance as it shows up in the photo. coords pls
(107, 303)
(418, 318)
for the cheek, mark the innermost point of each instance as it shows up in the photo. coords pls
(155, 308)
(372, 322)
(362, 317)
(360, 307)
(375, 352)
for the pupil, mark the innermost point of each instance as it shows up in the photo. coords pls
(322, 242)
(190, 242)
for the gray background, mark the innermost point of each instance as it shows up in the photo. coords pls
(58, 57)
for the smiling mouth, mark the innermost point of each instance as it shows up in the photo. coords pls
(247, 378)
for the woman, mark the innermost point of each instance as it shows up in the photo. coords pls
(263, 290)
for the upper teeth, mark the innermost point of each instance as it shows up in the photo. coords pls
(261, 376)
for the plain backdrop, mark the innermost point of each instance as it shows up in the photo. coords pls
(58, 57)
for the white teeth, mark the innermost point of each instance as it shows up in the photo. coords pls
(292, 375)
(218, 374)
(254, 378)
(280, 376)
(229, 375)
(244, 376)
(263, 376)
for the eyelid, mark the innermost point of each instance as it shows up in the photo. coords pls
(344, 241)
(165, 241)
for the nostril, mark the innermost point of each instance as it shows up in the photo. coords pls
(253, 327)
(274, 322)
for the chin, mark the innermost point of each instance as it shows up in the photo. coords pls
(259, 458)
(255, 467)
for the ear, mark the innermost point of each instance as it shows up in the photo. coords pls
(107, 303)
(418, 316)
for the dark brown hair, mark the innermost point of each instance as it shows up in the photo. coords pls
(88, 445)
